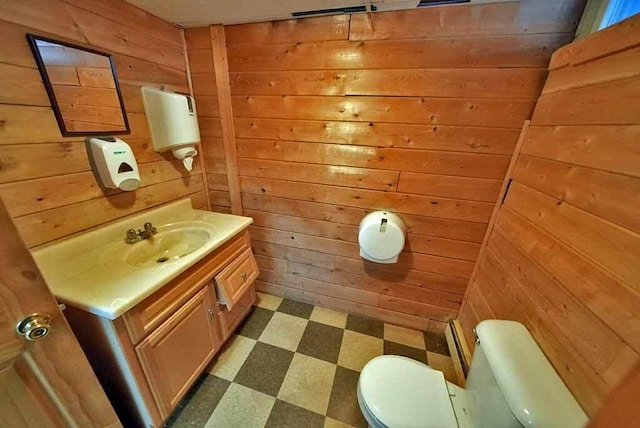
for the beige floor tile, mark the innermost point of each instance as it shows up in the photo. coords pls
(334, 423)
(444, 364)
(329, 317)
(404, 336)
(232, 358)
(357, 349)
(267, 301)
(241, 407)
(284, 331)
(308, 383)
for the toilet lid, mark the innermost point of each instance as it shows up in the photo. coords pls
(403, 393)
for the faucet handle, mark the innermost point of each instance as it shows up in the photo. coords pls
(148, 226)
(132, 236)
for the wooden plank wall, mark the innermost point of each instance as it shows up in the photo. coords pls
(200, 54)
(45, 179)
(416, 112)
(564, 256)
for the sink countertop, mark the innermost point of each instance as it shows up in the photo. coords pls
(82, 272)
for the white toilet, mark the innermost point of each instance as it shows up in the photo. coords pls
(510, 384)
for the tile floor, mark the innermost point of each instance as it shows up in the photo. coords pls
(292, 364)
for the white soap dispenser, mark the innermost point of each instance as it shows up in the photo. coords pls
(113, 162)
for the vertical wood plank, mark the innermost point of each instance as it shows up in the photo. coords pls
(226, 114)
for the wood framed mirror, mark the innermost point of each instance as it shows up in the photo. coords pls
(83, 88)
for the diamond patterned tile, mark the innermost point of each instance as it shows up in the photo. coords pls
(295, 365)
(227, 364)
(404, 336)
(357, 349)
(267, 301)
(265, 368)
(321, 341)
(343, 405)
(241, 407)
(299, 309)
(286, 415)
(329, 317)
(195, 409)
(308, 383)
(436, 342)
(392, 348)
(284, 331)
(255, 323)
(365, 326)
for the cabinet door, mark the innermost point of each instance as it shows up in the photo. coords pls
(175, 354)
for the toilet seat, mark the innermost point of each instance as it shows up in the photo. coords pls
(403, 393)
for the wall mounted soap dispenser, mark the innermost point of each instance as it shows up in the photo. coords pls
(113, 163)
(173, 123)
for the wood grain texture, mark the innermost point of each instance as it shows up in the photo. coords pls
(562, 256)
(417, 112)
(63, 197)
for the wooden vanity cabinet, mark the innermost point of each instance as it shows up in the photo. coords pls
(175, 353)
(148, 358)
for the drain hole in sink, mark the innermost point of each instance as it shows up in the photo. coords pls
(162, 259)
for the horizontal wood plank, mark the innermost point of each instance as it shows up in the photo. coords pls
(611, 246)
(434, 137)
(453, 209)
(420, 225)
(361, 178)
(287, 82)
(610, 148)
(604, 104)
(542, 16)
(299, 30)
(463, 52)
(447, 83)
(456, 164)
(434, 111)
(604, 194)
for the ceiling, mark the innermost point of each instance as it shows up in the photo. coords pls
(196, 13)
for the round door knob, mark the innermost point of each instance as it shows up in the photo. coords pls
(35, 326)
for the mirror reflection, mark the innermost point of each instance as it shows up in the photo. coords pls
(82, 86)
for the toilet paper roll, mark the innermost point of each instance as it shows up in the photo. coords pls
(188, 163)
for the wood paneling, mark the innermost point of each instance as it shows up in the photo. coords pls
(46, 179)
(202, 59)
(416, 112)
(563, 255)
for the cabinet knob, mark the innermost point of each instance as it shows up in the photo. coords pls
(243, 275)
(211, 315)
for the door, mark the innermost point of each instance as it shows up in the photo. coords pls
(46, 381)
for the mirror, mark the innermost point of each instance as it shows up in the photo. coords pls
(83, 88)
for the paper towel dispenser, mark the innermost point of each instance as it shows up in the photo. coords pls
(381, 236)
(173, 123)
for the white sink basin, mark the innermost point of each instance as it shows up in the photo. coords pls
(172, 242)
(99, 272)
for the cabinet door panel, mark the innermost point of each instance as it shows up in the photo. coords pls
(230, 318)
(174, 355)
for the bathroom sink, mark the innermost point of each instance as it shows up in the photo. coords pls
(98, 271)
(166, 247)
(172, 242)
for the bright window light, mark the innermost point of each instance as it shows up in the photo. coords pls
(618, 10)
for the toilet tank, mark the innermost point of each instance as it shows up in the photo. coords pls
(512, 384)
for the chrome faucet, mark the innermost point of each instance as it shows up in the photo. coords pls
(147, 232)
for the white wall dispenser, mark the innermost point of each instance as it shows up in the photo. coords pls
(381, 237)
(173, 123)
(113, 162)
